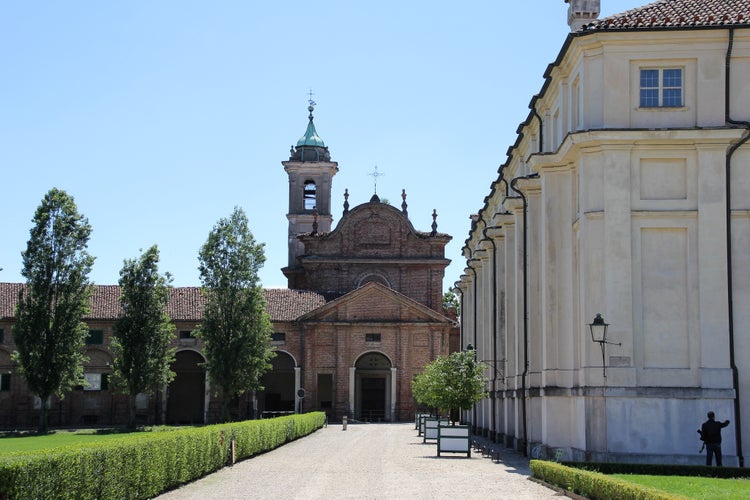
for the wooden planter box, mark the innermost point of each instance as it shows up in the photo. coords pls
(454, 439)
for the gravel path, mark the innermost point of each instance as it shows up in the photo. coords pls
(367, 461)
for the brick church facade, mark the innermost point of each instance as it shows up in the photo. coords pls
(362, 315)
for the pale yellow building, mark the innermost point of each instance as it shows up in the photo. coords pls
(626, 193)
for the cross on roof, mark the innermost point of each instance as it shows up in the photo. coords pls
(375, 176)
(310, 99)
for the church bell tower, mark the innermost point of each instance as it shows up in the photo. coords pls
(310, 172)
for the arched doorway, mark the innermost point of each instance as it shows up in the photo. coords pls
(279, 386)
(373, 388)
(186, 395)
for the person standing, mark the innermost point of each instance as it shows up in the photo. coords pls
(711, 435)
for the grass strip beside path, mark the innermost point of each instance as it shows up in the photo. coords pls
(694, 487)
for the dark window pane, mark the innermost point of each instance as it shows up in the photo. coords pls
(672, 98)
(649, 78)
(278, 336)
(372, 337)
(649, 98)
(5, 382)
(96, 337)
(672, 78)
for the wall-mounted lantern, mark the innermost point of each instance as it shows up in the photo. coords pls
(599, 334)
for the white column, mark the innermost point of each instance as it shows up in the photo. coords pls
(297, 387)
(206, 399)
(352, 378)
(394, 397)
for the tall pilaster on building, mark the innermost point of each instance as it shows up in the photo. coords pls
(310, 172)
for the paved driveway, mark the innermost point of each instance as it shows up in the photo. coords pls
(367, 461)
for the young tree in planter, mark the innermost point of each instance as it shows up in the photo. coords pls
(450, 383)
(49, 332)
(143, 330)
(235, 328)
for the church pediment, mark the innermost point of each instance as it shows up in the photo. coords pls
(374, 229)
(374, 302)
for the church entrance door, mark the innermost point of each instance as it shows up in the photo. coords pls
(186, 393)
(278, 395)
(373, 388)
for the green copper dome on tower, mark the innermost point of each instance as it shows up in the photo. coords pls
(310, 147)
(311, 137)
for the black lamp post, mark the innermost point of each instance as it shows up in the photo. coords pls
(599, 334)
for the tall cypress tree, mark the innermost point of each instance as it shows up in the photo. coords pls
(49, 331)
(143, 330)
(235, 328)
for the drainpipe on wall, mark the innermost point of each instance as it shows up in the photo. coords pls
(525, 308)
(494, 331)
(730, 310)
(541, 129)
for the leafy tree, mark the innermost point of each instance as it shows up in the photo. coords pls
(235, 328)
(143, 330)
(450, 383)
(450, 302)
(49, 332)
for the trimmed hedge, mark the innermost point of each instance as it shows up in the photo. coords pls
(145, 465)
(594, 485)
(662, 469)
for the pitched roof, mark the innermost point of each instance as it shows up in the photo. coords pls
(677, 14)
(374, 292)
(185, 303)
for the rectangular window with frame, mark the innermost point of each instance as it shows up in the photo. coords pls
(186, 334)
(661, 88)
(96, 381)
(2, 336)
(278, 337)
(372, 337)
(4, 381)
(96, 337)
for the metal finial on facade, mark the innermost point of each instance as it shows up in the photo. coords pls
(434, 222)
(375, 176)
(346, 200)
(403, 203)
(315, 220)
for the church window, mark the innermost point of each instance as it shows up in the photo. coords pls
(96, 381)
(661, 88)
(5, 382)
(309, 195)
(278, 337)
(186, 334)
(372, 337)
(96, 337)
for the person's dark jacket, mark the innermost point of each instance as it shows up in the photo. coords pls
(711, 431)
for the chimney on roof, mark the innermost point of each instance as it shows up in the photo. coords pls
(582, 12)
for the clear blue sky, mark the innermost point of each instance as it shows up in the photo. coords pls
(160, 117)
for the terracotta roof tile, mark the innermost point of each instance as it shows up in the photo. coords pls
(186, 303)
(677, 14)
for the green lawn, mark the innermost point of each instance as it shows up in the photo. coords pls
(694, 487)
(56, 440)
